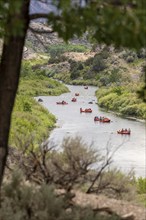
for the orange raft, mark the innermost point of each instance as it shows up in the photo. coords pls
(74, 100)
(61, 103)
(102, 119)
(124, 132)
(87, 110)
(76, 94)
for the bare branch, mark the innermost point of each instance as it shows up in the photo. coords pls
(104, 165)
(35, 35)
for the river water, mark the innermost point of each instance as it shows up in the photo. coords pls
(131, 153)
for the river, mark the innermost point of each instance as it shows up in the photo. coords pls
(131, 153)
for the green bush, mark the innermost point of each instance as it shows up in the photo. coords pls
(98, 64)
(116, 184)
(141, 185)
(130, 59)
(107, 100)
(75, 69)
(123, 99)
(57, 59)
(131, 110)
(57, 50)
(141, 53)
(30, 122)
(21, 201)
(129, 53)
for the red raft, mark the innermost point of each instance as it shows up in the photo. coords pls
(124, 132)
(102, 119)
(74, 100)
(87, 110)
(77, 94)
(61, 103)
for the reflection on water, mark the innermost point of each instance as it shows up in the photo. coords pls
(72, 123)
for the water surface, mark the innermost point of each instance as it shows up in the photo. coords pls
(131, 152)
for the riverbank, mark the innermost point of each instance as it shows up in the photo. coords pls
(121, 115)
(109, 69)
(122, 100)
(127, 104)
(31, 122)
(72, 123)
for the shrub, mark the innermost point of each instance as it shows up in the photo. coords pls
(129, 53)
(141, 185)
(115, 76)
(26, 69)
(75, 69)
(122, 99)
(57, 50)
(118, 185)
(57, 59)
(130, 59)
(89, 61)
(131, 110)
(103, 80)
(98, 64)
(141, 53)
(27, 107)
(21, 201)
(107, 100)
(72, 168)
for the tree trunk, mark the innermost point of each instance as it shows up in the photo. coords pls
(9, 74)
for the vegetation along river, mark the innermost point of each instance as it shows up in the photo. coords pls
(131, 148)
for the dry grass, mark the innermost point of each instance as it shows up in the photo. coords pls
(118, 206)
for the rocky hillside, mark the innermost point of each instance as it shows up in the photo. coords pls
(106, 60)
(39, 43)
(119, 70)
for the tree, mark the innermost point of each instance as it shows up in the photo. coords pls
(112, 22)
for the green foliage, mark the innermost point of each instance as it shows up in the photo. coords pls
(58, 49)
(123, 27)
(98, 64)
(35, 82)
(30, 121)
(28, 202)
(129, 53)
(26, 69)
(118, 185)
(141, 185)
(88, 70)
(27, 106)
(57, 59)
(123, 100)
(72, 168)
(141, 189)
(75, 69)
(141, 53)
(131, 110)
(130, 59)
(36, 86)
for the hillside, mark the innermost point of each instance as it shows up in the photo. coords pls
(118, 72)
(127, 62)
(39, 43)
